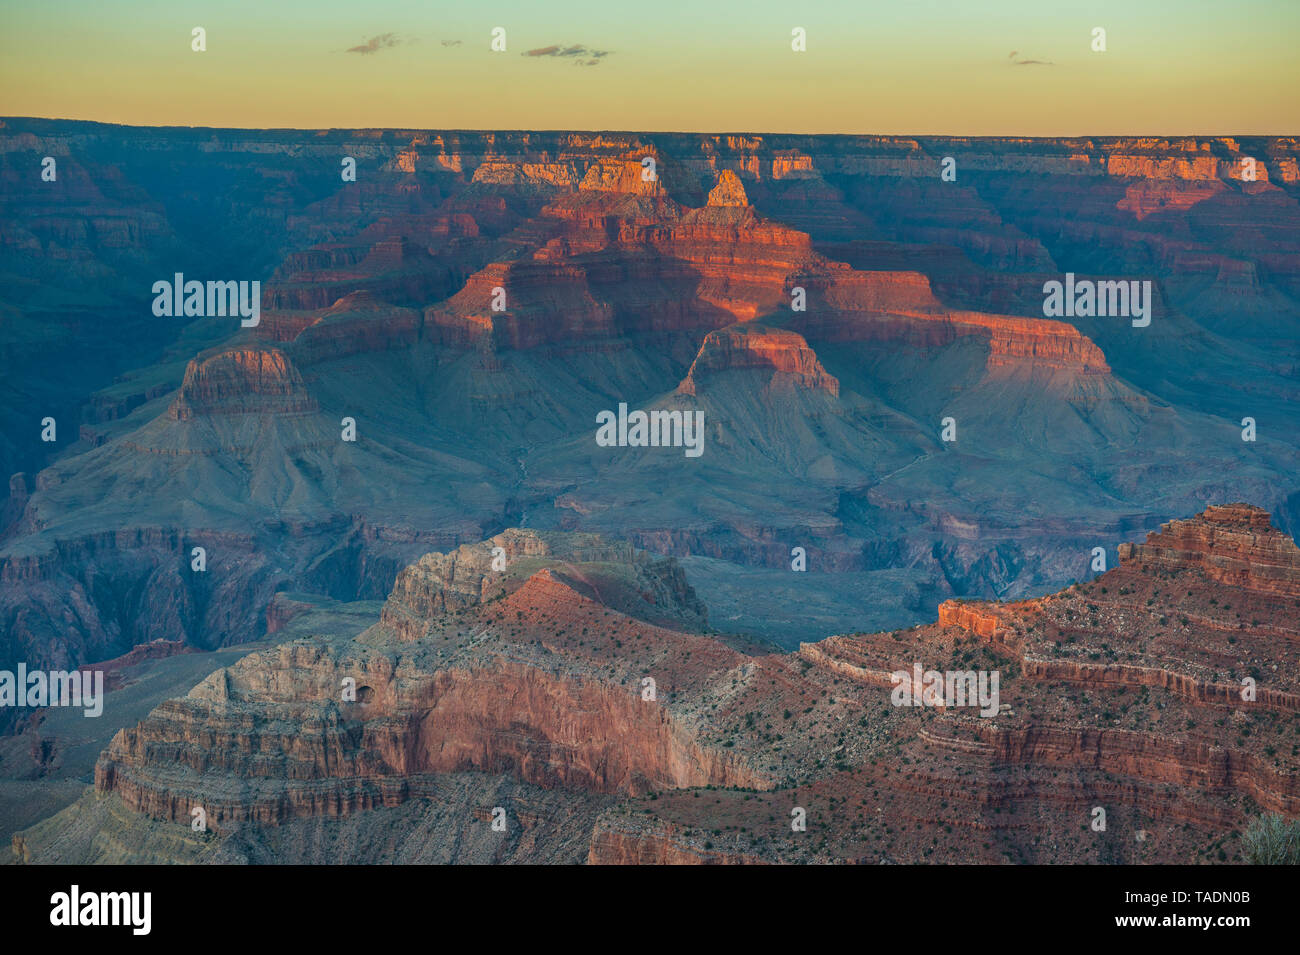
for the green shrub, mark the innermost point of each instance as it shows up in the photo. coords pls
(1272, 840)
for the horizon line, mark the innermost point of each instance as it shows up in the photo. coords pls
(661, 132)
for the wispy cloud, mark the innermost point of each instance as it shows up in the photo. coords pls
(577, 54)
(1026, 62)
(376, 43)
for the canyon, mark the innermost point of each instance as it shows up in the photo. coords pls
(920, 302)
(900, 459)
(521, 693)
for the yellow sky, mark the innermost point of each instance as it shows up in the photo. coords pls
(993, 68)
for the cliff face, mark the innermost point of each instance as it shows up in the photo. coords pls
(238, 381)
(739, 347)
(923, 303)
(1107, 700)
(1011, 341)
(726, 260)
(356, 324)
(1124, 694)
(1235, 546)
(729, 191)
(331, 758)
(652, 589)
(275, 737)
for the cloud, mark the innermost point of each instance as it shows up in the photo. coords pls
(376, 43)
(576, 53)
(451, 42)
(1014, 62)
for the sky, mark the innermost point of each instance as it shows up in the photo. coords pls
(961, 67)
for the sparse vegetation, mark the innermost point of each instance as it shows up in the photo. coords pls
(1272, 840)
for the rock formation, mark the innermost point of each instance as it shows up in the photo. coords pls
(674, 291)
(1122, 694)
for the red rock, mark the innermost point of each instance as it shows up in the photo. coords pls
(539, 681)
(747, 346)
(241, 381)
(1234, 545)
(729, 191)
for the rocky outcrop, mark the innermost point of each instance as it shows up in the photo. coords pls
(1226, 550)
(544, 728)
(749, 346)
(541, 680)
(729, 191)
(241, 381)
(317, 730)
(623, 175)
(1234, 545)
(538, 175)
(471, 575)
(356, 324)
(1108, 698)
(114, 670)
(923, 301)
